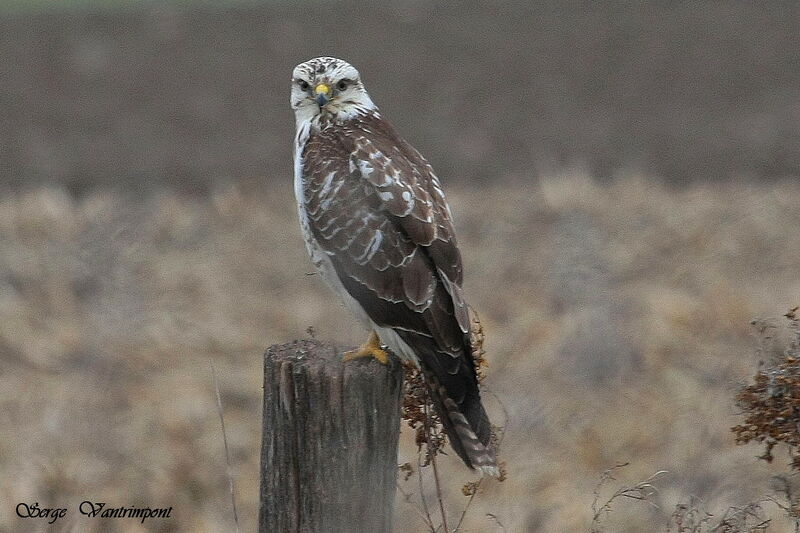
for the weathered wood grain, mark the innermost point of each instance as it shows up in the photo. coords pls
(329, 443)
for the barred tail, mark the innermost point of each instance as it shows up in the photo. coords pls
(467, 426)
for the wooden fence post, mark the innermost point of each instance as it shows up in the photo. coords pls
(329, 441)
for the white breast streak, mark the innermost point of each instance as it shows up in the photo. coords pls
(300, 139)
(323, 263)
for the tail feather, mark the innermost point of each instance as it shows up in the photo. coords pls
(467, 426)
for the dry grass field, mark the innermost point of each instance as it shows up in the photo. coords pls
(618, 331)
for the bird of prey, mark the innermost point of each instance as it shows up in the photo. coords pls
(379, 231)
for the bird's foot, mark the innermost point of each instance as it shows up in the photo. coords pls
(371, 348)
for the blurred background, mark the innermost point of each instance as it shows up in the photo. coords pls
(624, 180)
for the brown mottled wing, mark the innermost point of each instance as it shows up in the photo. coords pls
(381, 217)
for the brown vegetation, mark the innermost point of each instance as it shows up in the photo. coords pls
(772, 403)
(616, 323)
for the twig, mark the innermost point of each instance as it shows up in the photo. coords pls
(429, 519)
(642, 491)
(497, 520)
(432, 455)
(225, 442)
(787, 507)
(737, 517)
(407, 498)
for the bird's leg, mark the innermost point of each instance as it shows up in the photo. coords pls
(370, 348)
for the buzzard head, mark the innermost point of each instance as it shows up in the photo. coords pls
(326, 86)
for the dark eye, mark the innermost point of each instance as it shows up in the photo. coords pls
(303, 85)
(342, 85)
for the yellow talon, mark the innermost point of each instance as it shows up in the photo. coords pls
(370, 348)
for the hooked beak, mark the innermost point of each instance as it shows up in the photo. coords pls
(322, 94)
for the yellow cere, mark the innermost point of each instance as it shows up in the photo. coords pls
(322, 88)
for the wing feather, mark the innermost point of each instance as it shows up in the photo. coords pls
(378, 210)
